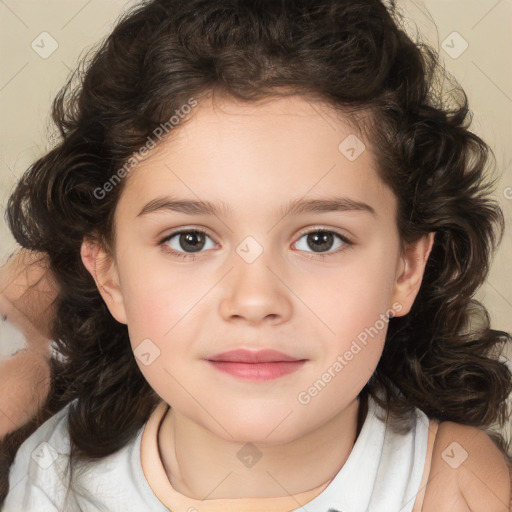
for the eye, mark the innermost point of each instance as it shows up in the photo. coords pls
(191, 241)
(323, 239)
(184, 243)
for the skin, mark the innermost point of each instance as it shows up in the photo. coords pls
(27, 293)
(26, 298)
(482, 483)
(256, 158)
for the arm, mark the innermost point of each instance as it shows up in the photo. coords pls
(27, 295)
(469, 473)
(484, 478)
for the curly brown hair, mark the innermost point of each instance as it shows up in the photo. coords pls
(442, 357)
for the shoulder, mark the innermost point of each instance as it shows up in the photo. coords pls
(40, 467)
(465, 459)
(54, 430)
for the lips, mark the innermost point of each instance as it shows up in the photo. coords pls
(260, 365)
(249, 356)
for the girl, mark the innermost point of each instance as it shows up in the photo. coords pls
(266, 230)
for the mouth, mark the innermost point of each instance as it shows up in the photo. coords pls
(257, 365)
(253, 356)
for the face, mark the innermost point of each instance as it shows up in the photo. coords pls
(316, 283)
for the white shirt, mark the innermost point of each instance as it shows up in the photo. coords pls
(382, 473)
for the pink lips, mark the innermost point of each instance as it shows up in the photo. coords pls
(255, 365)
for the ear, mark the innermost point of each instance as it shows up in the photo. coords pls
(410, 272)
(103, 269)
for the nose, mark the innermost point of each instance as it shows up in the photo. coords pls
(255, 292)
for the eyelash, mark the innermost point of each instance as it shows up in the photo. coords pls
(188, 256)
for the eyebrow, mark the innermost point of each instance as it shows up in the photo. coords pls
(219, 209)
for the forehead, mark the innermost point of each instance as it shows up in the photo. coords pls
(252, 154)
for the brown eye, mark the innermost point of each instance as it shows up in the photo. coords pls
(192, 241)
(322, 240)
(182, 243)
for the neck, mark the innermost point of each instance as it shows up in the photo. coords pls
(200, 464)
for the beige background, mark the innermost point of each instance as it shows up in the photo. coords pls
(28, 82)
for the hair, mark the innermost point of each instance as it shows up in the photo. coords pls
(442, 357)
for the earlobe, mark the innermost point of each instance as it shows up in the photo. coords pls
(103, 269)
(410, 272)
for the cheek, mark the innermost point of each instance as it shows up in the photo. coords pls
(353, 305)
(353, 298)
(357, 319)
(146, 314)
(164, 319)
(157, 300)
